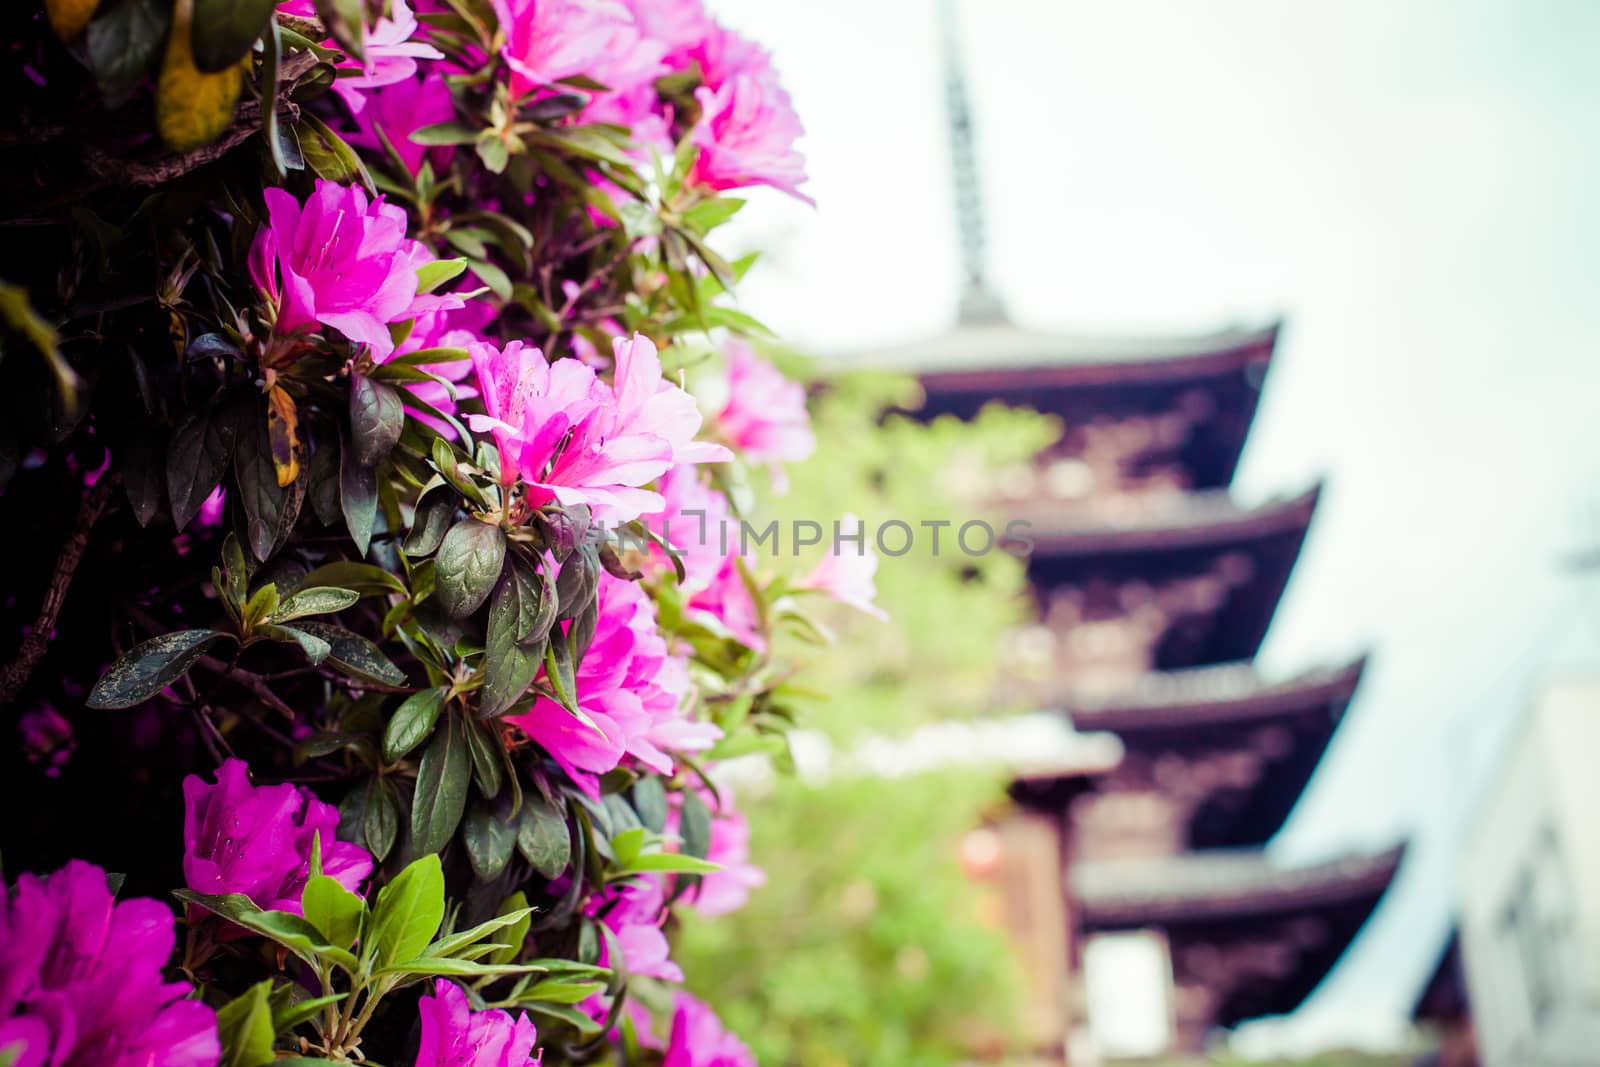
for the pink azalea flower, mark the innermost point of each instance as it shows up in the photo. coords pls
(698, 1039)
(447, 328)
(721, 55)
(677, 24)
(47, 738)
(391, 53)
(81, 979)
(549, 40)
(341, 261)
(576, 440)
(746, 136)
(696, 521)
(847, 572)
(728, 890)
(240, 838)
(765, 416)
(634, 911)
(400, 108)
(453, 1035)
(628, 686)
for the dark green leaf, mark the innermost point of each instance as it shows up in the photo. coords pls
(358, 497)
(271, 71)
(412, 722)
(196, 457)
(487, 751)
(149, 667)
(315, 648)
(694, 825)
(444, 133)
(434, 511)
(345, 21)
(290, 931)
(124, 42)
(270, 510)
(559, 673)
(510, 664)
(468, 565)
(142, 477)
(377, 415)
(650, 801)
(354, 654)
(543, 838)
(442, 780)
(490, 838)
(244, 1027)
(324, 490)
(380, 821)
(224, 30)
(363, 578)
(327, 154)
(408, 912)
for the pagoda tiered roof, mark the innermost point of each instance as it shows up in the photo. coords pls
(1083, 377)
(1183, 536)
(1220, 696)
(1261, 935)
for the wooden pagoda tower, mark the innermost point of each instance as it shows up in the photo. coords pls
(1154, 589)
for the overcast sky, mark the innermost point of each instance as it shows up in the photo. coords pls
(1415, 187)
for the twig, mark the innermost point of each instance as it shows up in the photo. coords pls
(16, 673)
(249, 681)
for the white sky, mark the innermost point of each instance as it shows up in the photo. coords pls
(1414, 186)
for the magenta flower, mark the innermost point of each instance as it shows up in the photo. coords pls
(728, 890)
(453, 1035)
(400, 108)
(629, 688)
(47, 738)
(341, 261)
(548, 40)
(765, 416)
(576, 440)
(256, 840)
(634, 911)
(846, 573)
(698, 1039)
(746, 136)
(696, 521)
(391, 53)
(81, 982)
(447, 328)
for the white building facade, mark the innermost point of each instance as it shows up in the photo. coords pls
(1530, 909)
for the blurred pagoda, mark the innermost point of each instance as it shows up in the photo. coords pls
(1148, 913)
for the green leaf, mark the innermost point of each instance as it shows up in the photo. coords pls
(707, 215)
(579, 1020)
(412, 722)
(668, 863)
(142, 477)
(556, 991)
(124, 42)
(490, 839)
(628, 844)
(694, 825)
(514, 912)
(315, 600)
(429, 966)
(444, 133)
(197, 456)
(324, 492)
(363, 578)
(345, 21)
(329, 156)
(435, 508)
(244, 1026)
(543, 838)
(315, 648)
(432, 275)
(332, 909)
(262, 603)
(469, 562)
(650, 801)
(377, 415)
(291, 931)
(354, 654)
(441, 796)
(517, 933)
(408, 912)
(559, 673)
(271, 75)
(358, 497)
(288, 1013)
(151, 666)
(223, 30)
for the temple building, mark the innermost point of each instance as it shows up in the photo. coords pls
(1154, 589)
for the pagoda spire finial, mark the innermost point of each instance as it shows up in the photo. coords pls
(978, 302)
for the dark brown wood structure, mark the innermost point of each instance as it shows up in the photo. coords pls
(1155, 587)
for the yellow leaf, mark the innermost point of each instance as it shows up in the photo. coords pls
(283, 426)
(69, 17)
(193, 107)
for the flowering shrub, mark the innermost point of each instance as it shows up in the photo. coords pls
(345, 424)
